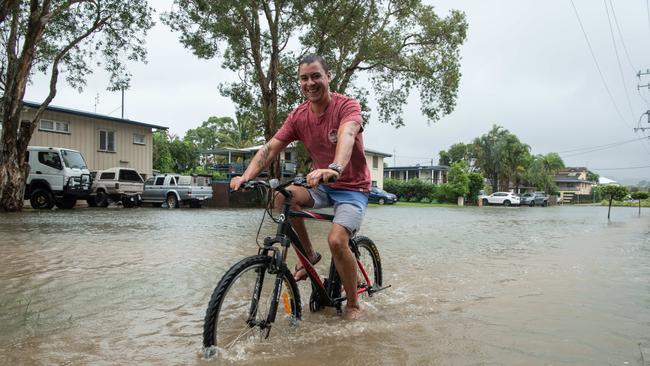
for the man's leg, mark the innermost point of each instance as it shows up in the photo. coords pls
(301, 198)
(346, 266)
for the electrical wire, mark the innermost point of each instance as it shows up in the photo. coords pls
(628, 168)
(618, 59)
(602, 78)
(610, 145)
(620, 34)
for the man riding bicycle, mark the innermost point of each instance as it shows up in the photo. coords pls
(329, 125)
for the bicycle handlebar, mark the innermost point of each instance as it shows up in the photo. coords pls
(277, 186)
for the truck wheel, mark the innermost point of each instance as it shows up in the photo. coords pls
(172, 201)
(128, 202)
(66, 203)
(41, 199)
(101, 199)
(91, 202)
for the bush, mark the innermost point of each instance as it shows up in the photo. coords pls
(407, 190)
(413, 199)
(425, 200)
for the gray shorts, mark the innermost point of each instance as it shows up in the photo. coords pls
(349, 206)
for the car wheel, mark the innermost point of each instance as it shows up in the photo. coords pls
(485, 202)
(506, 203)
(545, 203)
(101, 199)
(172, 201)
(66, 203)
(128, 202)
(381, 201)
(91, 202)
(41, 199)
(532, 204)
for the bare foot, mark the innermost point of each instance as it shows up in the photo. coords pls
(353, 312)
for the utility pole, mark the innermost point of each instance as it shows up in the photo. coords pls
(638, 87)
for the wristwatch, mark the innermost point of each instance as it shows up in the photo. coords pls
(335, 167)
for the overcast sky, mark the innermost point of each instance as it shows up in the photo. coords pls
(525, 66)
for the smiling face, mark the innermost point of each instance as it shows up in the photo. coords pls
(314, 83)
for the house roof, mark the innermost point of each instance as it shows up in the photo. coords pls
(92, 115)
(375, 152)
(416, 167)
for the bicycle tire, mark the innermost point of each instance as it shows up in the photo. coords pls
(226, 317)
(369, 257)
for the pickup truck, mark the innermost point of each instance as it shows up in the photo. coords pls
(174, 190)
(116, 185)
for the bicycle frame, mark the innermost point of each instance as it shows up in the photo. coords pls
(286, 236)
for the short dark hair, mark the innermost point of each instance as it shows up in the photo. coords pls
(311, 58)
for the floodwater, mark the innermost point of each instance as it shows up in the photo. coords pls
(511, 286)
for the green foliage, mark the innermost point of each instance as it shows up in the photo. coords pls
(458, 179)
(592, 177)
(476, 183)
(173, 155)
(400, 44)
(162, 156)
(614, 192)
(411, 189)
(457, 152)
(542, 170)
(640, 196)
(225, 132)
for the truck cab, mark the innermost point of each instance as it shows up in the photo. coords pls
(57, 176)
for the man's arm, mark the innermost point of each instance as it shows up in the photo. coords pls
(345, 138)
(261, 160)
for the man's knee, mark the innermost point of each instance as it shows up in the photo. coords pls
(338, 240)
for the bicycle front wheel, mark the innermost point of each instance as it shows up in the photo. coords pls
(239, 308)
(371, 263)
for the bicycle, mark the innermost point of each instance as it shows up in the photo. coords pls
(243, 307)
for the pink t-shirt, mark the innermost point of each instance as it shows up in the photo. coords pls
(319, 134)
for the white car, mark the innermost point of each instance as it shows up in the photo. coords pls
(501, 198)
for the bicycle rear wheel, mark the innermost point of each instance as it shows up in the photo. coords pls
(240, 305)
(369, 258)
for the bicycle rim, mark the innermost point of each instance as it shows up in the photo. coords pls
(369, 258)
(227, 329)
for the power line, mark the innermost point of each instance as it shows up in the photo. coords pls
(602, 78)
(628, 168)
(618, 59)
(613, 144)
(627, 55)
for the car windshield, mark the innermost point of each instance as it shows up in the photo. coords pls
(73, 159)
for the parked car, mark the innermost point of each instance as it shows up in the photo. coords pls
(380, 196)
(175, 190)
(117, 185)
(501, 198)
(57, 176)
(534, 198)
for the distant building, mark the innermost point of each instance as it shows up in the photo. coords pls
(104, 141)
(572, 181)
(436, 174)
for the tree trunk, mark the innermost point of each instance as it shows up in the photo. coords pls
(610, 206)
(639, 207)
(13, 172)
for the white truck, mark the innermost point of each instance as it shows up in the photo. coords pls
(117, 184)
(175, 190)
(57, 176)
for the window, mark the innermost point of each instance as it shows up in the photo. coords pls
(54, 126)
(106, 140)
(110, 175)
(149, 181)
(138, 139)
(287, 155)
(375, 162)
(160, 181)
(127, 175)
(50, 159)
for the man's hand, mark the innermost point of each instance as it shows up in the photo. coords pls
(236, 182)
(316, 176)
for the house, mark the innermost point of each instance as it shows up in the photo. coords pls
(104, 141)
(573, 182)
(436, 174)
(234, 161)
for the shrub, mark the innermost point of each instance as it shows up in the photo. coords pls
(425, 200)
(413, 199)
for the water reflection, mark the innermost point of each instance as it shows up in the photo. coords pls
(556, 285)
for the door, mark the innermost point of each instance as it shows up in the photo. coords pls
(49, 168)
